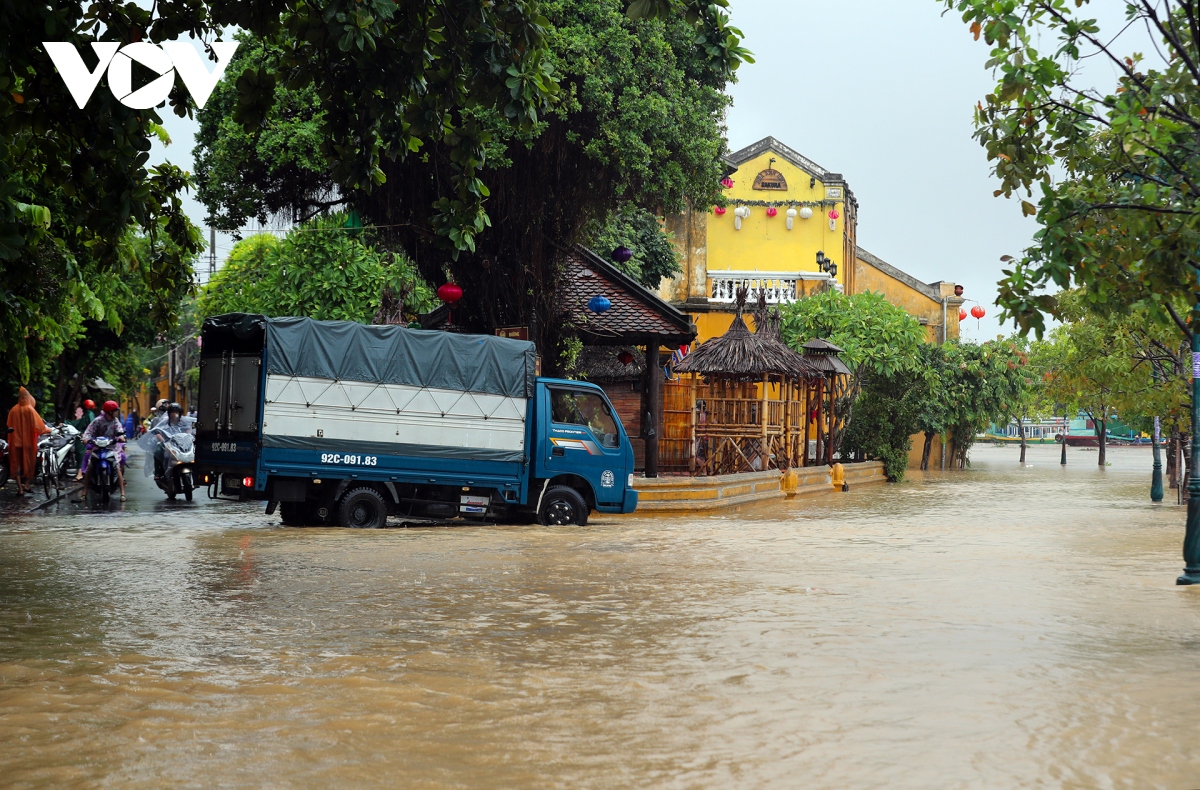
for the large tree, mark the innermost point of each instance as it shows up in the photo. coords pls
(416, 73)
(1114, 170)
(635, 119)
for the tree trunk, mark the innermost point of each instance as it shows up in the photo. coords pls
(1101, 438)
(1021, 431)
(926, 450)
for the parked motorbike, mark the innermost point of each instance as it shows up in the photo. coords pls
(173, 471)
(102, 468)
(3, 462)
(56, 454)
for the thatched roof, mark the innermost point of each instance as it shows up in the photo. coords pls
(823, 356)
(740, 353)
(600, 363)
(767, 330)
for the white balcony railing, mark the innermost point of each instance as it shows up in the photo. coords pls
(779, 287)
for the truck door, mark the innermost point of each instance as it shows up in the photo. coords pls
(229, 387)
(586, 439)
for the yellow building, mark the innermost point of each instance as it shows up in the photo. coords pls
(790, 229)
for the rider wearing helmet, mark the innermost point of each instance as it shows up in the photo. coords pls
(108, 425)
(160, 412)
(84, 414)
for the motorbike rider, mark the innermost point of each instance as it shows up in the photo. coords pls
(108, 425)
(172, 425)
(82, 420)
(160, 412)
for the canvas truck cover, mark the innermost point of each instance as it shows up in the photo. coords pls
(346, 351)
(385, 389)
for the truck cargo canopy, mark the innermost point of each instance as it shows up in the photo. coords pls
(347, 351)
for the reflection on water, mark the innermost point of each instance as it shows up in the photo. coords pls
(999, 627)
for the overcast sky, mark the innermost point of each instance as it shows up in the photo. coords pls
(881, 91)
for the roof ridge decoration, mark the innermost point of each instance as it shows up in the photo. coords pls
(789, 154)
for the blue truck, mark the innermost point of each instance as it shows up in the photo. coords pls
(334, 422)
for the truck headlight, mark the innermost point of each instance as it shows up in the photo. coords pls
(630, 483)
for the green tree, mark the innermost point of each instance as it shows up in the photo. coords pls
(636, 120)
(982, 382)
(880, 342)
(654, 256)
(1116, 171)
(321, 269)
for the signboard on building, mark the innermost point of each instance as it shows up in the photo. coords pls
(515, 332)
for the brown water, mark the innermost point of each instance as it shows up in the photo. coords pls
(1001, 627)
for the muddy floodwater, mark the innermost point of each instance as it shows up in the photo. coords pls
(1000, 627)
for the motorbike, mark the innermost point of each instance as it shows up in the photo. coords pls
(102, 468)
(177, 448)
(56, 454)
(4, 462)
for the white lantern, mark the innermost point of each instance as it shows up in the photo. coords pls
(791, 218)
(740, 213)
(806, 213)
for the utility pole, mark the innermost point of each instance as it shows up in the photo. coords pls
(1156, 488)
(1191, 539)
(212, 250)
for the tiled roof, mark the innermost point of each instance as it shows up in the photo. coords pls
(636, 314)
(738, 158)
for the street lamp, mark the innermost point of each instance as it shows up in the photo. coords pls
(1156, 489)
(826, 264)
(1191, 538)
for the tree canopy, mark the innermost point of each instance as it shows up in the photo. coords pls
(320, 269)
(1115, 170)
(615, 111)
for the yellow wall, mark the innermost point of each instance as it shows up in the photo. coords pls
(912, 301)
(764, 243)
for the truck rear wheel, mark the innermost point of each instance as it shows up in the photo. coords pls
(562, 505)
(363, 508)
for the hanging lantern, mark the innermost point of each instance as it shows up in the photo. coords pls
(727, 182)
(599, 304)
(962, 314)
(772, 211)
(805, 213)
(625, 357)
(622, 254)
(834, 214)
(719, 210)
(978, 311)
(449, 293)
(740, 213)
(791, 218)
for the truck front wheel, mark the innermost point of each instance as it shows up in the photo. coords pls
(363, 508)
(563, 505)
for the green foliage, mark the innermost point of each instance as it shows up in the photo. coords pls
(608, 111)
(980, 383)
(73, 181)
(883, 345)
(320, 269)
(654, 256)
(877, 337)
(1124, 222)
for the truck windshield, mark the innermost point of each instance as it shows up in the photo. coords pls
(574, 407)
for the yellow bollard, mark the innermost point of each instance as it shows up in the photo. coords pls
(789, 482)
(838, 474)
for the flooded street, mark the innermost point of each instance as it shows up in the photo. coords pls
(1000, 627)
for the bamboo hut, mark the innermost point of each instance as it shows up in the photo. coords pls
(825, 388)
(746, 413)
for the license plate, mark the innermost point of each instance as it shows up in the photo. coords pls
(474, 500)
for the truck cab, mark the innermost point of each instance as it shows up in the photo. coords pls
(582, 444)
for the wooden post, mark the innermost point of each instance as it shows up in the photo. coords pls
(807, 424)
(820, 420)
(653, 405)
(692, 460)
(785, 396)
(765, 448)
(832, 392)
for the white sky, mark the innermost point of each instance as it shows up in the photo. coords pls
(881, 91)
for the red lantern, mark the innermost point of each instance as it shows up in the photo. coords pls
(719, 210)
(772, 211)
(727, 183)
(834, 214)
(978, 311)
(449, 293)
(962, 314)
(625, 357)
